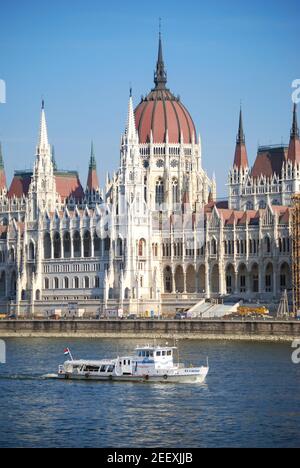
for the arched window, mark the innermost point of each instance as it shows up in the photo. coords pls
(159, 192)
(87, 244)
(66, 282)
(57, 245)
(76, 283)
(142, 245)
(67, 245)
(86, 282)
(31, 252)
(175, 192)
(77, 244)
(46, 283)
(47, 245)
(56, 283)
(38, 295)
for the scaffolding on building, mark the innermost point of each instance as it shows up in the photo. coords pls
(296, 253)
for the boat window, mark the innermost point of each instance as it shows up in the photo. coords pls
(147, 353)
(103, 369)
(124, 362)
(169, 353)
(163, 353)
(128, 361)
(143, 353)
(110, 368)
(91, 369)
(151, 353)
(157, 353)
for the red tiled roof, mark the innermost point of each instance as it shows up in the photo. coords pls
(294, 150)
(161, 111)
(19, 185)
(2, 179)
(269, 162)
(68, 185)
(92, 181)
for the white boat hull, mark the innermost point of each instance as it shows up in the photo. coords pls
(180, 377)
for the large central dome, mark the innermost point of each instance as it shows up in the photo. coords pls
(161, 112)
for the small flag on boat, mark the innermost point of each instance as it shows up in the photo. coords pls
(68, 352)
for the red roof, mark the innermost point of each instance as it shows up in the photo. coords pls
(294, 150)
(2, 179)
(92, 180)
(20, 185)
(240, 157)
(269, 161)
(68, 185)
(160, 112)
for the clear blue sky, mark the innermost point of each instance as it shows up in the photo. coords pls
(82, 55)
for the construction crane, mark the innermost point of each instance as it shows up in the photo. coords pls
(296, 253)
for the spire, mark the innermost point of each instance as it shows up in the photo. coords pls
(92, 180)
(241, 136)
(53, 158)
(294, 146)
(92, 158)
(160, 76)
(295, 128)
(2, 171)
(43, 144)
(130, 131)
(1, 158)
(240, 157)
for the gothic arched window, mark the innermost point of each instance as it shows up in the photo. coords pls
(159, 192)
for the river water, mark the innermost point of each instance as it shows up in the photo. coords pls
(251, 398)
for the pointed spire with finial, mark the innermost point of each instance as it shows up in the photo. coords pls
(92, 180)
(295, 128)
(160, 75)
(294, 146)
(241, 136)
(2, 171)
(240, 156)
(43, 146)
(130, 131)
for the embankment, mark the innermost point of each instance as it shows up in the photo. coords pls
(182, 329)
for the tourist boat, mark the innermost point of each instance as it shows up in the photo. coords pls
(147, 364)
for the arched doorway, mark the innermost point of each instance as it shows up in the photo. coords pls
(201, 279)
(254, 278)
(215, 282)
(168, 280)
(179, 279)
(285, 277)
(191, 279)
(269, 278)
(230, 279)
(2, 284)
(242, 278)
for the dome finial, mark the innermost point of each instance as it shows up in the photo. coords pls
(160, 76)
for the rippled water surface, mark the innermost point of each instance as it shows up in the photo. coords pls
(251, 398)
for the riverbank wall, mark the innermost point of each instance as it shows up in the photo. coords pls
(148, 329)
